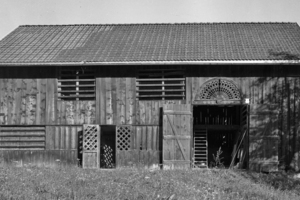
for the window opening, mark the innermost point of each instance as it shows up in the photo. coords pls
(157, 83)
(76, 83)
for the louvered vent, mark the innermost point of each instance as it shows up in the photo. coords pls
(76, 83)
(22, 138)
(160, 83)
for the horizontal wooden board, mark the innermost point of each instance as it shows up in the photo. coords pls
(22, 138)
(40, 157)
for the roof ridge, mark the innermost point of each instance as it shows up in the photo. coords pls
(179, 23)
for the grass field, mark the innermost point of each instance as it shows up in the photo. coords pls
(131, 183)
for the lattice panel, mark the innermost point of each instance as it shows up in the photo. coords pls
(90, 137)
(219, 88)
(123, 138)
(107, 160)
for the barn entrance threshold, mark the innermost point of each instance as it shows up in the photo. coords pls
(219, 129)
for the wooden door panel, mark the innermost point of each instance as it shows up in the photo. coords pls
(177, 135)
(91, 146)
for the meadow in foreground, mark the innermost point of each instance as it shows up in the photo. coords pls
(134, 183)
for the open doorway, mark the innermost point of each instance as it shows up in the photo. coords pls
(218, 128)
(108, 147)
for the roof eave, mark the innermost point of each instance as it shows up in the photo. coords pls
(225, 62)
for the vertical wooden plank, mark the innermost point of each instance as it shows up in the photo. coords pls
(149, 137)
(67, 137)
(81, 112)
(142, 112)
(118, 102)
(113, 100)
(132, 95)
(30, 109)
(188, 90)
(62, 138)
(177, 125)
(76, 112)
(109, 107)
(57, 138)
(70, 112)
(195, 87)
(155, 112)
(89, 112)
(133, 138)
(18, 102)
(1, 102)
(137, 113)
(139, 138)
(63, 113)
(129, 103)
(59, 112)
(73, 137)
(144, 138)
(154, 138)
(23, 103)
(98, 101)
(148, 112)
(103, 101)
(122, 101)
(50, 137)
(10, 100)
(5, 101)
(51, 95)
(38, 102)
(43, 83)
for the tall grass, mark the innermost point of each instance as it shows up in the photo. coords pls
(134, 183)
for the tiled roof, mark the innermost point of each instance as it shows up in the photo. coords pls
(151, 42)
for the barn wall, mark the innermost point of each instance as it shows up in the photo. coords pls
(274, 104)
(115, 101)
(145, 148)
(274, 119)
(62, 145)
(23, 101)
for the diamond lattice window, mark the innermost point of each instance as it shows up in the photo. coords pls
(160, 83)
(90, 138)
(76, 83)
(123, 138)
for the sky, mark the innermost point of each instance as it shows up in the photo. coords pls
(14, 13)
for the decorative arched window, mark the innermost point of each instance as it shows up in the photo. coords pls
(219, 89)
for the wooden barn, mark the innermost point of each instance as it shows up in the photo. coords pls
(151, 95)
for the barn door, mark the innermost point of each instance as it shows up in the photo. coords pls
(177, 126)
(264, 140)
(91, 146)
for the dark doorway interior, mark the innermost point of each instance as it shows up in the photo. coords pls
(108, 147)
(216, 127)
(223, 140)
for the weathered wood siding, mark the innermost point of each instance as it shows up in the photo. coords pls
(145, 148)
(61, 147)
(274, 118)
(149, 112)
(115, 101)
(75, 112)
(23, 101)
